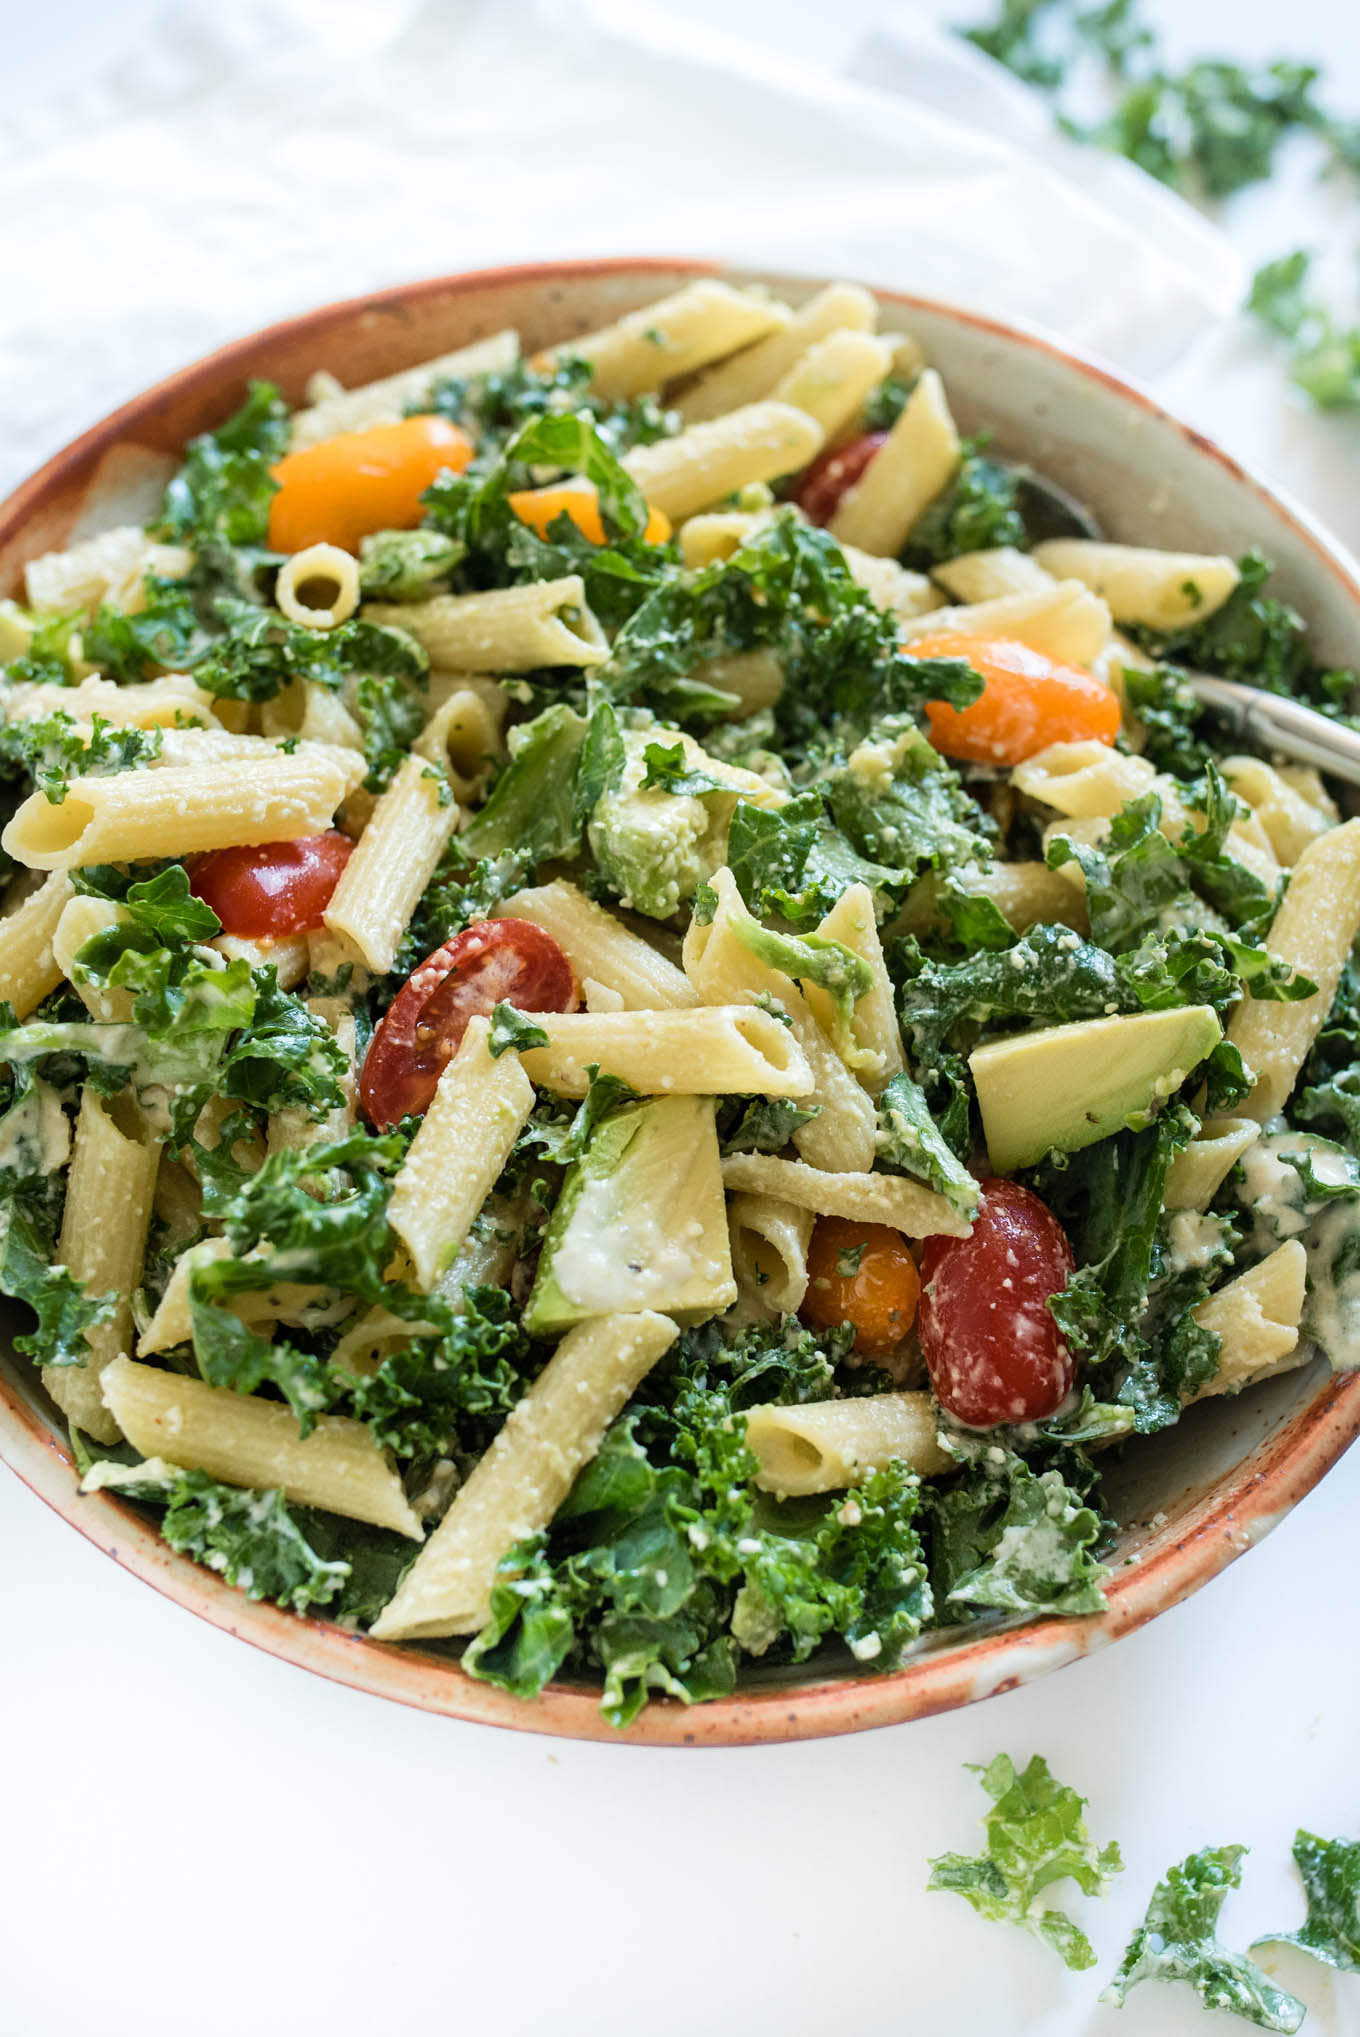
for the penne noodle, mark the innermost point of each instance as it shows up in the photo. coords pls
(512, 629)
(717, 1050)
(763, 442)
(868, 1198)
(671, 338)
(826, 1445)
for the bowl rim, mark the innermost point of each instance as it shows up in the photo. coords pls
(1224, 1521)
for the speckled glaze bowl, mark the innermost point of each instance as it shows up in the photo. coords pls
(1188, 1502)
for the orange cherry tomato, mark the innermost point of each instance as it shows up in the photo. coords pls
(1027, 702)
(338, 491)
(579, 499)
(862, 1274)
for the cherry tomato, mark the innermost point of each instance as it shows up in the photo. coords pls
(987, 1332)
(862, 1274)
(340, 489)
(832, 474)
(274, 889)
(498, 959)
(1027, 702)
(580, 500)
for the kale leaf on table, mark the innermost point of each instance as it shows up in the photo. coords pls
(1331, 1880)
(1036, 1836)
(1178, 1940)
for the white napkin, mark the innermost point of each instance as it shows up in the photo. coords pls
(251, 163)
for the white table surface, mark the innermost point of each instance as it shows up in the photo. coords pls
(197, 1839)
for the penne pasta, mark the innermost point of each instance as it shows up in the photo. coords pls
(1196, 1175)
(519, 1484)
(183, 809)
(318, 587)
(29, 968)
(769, 1241)
(1065, 621)
(716, 1050)
(826, 1445)
(103, 1241)
(110, 567)
(993, 575)
(465, 1138)
(869, 1198)
(255, 1443)
(833, 379)
(167, 702)
(512, 629)
(595, 942)
(1256, 1316)
(755, 372)
(763, 442)
(393, 861)
(671, 338)
(1314, 930)
(1160, 590)
(915, 464)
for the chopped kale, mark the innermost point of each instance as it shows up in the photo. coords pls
(1178, 1940)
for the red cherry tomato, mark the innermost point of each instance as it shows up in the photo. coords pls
(987, 1333)
(274, 889)
(509, 960)
(819, 492)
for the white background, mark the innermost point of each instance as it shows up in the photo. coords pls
(194, 1838)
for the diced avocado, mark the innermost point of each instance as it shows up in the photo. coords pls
(641, 1222)
(1067, 1086)
(16, 631)
(656, 846)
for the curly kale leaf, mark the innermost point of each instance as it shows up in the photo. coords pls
(224, 489)
(165, 635)
(452, 1390)
(260, 652)
(1008, 1539)
(28, 1274)
(406, 565)
(978, 511)
(54, 749)
(1162, 700)
(1132, 1326)
(792, 863)
(1331, 1881)
(1178, 1940)
(1036, 1835)
(162, 906)
(898, 803)
(761, 1124)
(531, 810)
(910, 1141)
(1324, 356)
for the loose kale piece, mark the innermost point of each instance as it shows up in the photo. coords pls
(261, 652)
(792, 863)
(1036, 1835)
(452, 1390)
(899, 804)
(1109, 1200)
(976, 512)
(510, 1028)
(531, 809)
(1162, 701)
(1324, 357)
(253, 1539)
(47, 660)
(391, 712)
(162, 906)
(165, 635)
(764, 1125)
(1331, 1880)
(1177, 1940)
(910, 1140)
(1004, 1538)
(457, 895)
(885, 404)
(28, 1274)
(224, 489)
(52, 750)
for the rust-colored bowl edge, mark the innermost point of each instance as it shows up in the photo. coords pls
(1215, 1528)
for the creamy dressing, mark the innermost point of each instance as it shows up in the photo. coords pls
(617, 1259)
(1281, 1206)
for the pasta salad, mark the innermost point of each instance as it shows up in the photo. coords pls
(642, 1015)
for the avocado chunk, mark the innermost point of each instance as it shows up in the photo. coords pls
(1067, 1086)
(641, 1222)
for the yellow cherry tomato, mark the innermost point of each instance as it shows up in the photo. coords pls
(336, 492)
(579, 499)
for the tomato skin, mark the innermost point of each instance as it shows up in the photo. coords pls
(498, 959)
(275, 888)
(833, 474)
(993, 1350)
(341, 489)
(877, 1290)
(580, 500)
(1028, 701)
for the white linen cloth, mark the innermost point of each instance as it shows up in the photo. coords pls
(249, 163)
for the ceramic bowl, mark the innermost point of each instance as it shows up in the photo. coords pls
(1188, 1503)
